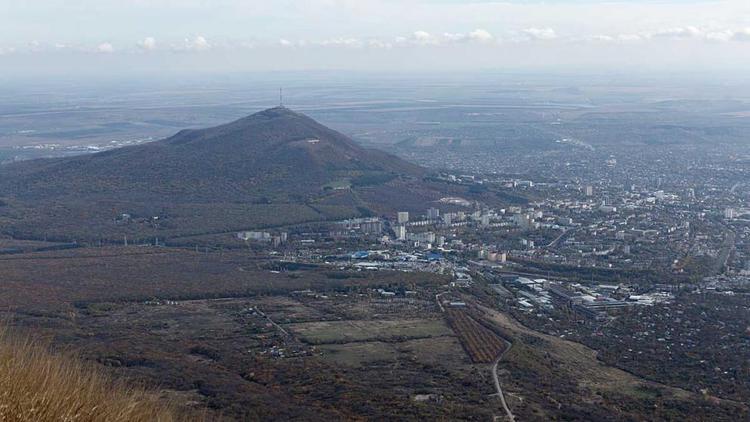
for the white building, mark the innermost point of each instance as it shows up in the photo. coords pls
(401, 232)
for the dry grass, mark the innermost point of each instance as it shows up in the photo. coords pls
(37, 385)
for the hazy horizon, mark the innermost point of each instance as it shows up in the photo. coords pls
(162, 36)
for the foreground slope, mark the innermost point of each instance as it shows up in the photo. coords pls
(36, 385)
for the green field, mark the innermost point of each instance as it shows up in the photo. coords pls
(356, 354)
(331, 332)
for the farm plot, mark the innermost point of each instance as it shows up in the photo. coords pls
(481, 344)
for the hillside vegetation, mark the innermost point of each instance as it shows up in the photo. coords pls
(37, 385)
(272, 168)
(275, 155)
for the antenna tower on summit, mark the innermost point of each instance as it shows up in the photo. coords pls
(281, 97)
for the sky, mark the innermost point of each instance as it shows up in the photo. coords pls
(149, 36)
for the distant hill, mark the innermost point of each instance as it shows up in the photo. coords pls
(271, 168)
(273, 155)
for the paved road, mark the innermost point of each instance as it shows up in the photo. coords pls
(564, 235)
(495, 377)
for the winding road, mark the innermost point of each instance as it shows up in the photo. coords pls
(496, 378)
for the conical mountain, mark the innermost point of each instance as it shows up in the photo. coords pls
(276, 155)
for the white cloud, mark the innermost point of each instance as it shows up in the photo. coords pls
(477, 35)
(719, 36)
(451, 37)
(105, 48)
(698, 33)
(197, 43)
(148, 44)
(618, 38)
(379, 44)
(543, 34)
(629, 37)
(480, 35)
(423, 38)
(285, 43)
(685, 32)
(340, 42)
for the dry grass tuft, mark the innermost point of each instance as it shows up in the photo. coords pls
(37, 385)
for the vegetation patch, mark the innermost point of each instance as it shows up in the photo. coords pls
(333, 332)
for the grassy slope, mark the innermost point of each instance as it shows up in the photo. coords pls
(36, 385)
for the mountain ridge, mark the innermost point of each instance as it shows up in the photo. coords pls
(267, 153)
(272, 168)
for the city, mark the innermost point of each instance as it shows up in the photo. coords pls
(374, 210)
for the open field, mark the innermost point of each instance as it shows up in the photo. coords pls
(202, 329)
(430, 351)
(355, 331)
(358, 354)
(55, 281)
(226, 355)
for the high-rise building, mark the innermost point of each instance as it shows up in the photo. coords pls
(401, 232)
(447, 219)
(371, 226)
(589, 190)
(403, 217)
(523, 221)
(423, 238)
(729, 213)
(433, 213)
